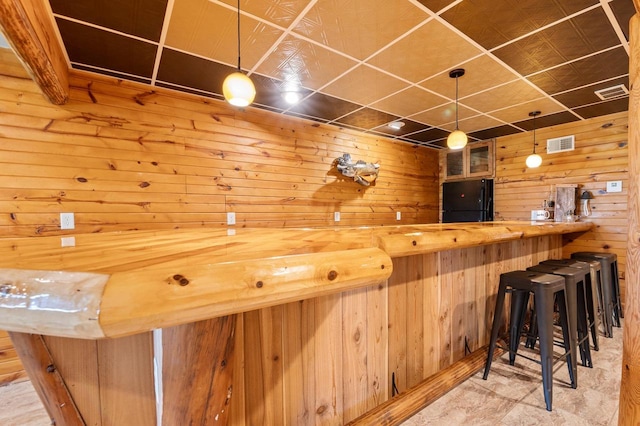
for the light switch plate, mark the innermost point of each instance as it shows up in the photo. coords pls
(231, 218)
(614, 186)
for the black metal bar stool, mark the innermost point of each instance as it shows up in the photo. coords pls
(576, 302)
(610, 285)
(592, 290)
(546, 288)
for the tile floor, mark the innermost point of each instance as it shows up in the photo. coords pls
(510, 396)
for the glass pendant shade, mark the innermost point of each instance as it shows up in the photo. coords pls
(238, 89)
(533, 161)
(457, 139)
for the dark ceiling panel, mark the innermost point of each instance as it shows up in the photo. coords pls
(493, 23)
(191, 71)
(606, 65)
(494, 132)
(604, 108)
(560, 43)
(324, 107)
(623, 10)
(269, 92)
(141, 18)
(114, 74)
(586, 95)
(547, 120)
(427, 135)
(367, 118)
(98, 48)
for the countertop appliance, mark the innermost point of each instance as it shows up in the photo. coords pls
(467, 201)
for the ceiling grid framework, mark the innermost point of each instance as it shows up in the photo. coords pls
(361, 64)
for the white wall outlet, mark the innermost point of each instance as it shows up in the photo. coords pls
(614, 186)
(336, 216)
(231, 218)
(67, 221)
(68, 242)
(398, 216)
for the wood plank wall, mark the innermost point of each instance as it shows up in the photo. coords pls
(121, 158)
(600, 155)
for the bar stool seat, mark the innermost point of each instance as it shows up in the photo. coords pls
(575, 281)
(546, 288)
(610, 287)
(593, 291)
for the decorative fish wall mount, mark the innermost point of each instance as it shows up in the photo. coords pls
(362, 172)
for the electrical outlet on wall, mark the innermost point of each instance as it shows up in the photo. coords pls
(398, 215)
(336, 216)
(231, 218)
(67, 221)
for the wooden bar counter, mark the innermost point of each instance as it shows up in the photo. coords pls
(253, 326)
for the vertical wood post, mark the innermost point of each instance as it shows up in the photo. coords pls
(629, 409)
(197, 372)
(46, 379)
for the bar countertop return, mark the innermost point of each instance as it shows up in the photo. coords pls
(116, 284)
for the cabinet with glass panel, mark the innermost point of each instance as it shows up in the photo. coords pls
(474, 160)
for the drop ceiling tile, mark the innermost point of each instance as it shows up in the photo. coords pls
(435, 5)
(210, 30)
(480, 74)
(473, 124)
(501, 97)
(359, 28)
(586, 95)
(604, 108)
(586, 33)
(352, 85)
(269, 92)
(444, 114)
(278, 12)
(299, 60)
(420, 54)
(606, 65)
(367, 118)
(410, 126)
(546, 120)
(142, 18)
(623, 10)
(492, 23)
(324, 107)
(409, 102)
(192, 71)
(429, 135)
(521, 111)
(495, 132)
(112, 74)
(116, 52)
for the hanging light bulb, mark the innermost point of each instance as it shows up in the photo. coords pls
(534, 160)
(237, 88)
(457, 139)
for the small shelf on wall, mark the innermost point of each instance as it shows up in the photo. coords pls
(474, 160)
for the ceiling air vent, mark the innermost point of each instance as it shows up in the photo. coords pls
(612, 92)
(565, 143)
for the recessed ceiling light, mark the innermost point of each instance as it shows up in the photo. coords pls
(396, 125)
(291, 97)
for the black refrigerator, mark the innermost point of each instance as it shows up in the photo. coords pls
(467, 201)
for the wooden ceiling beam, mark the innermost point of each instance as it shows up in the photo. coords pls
(28, 27)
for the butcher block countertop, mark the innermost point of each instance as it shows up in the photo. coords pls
(117, 284)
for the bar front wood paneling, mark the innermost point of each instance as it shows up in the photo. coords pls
(324, 359)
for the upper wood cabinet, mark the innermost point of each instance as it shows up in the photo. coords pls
(474, 160)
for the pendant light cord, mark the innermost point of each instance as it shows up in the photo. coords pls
(534, 133)
(457, 103)
(239, 70)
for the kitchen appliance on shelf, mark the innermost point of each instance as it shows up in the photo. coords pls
(467, 201)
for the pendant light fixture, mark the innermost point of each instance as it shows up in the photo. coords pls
(457, 139)
(534, 160)
(237, 88)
